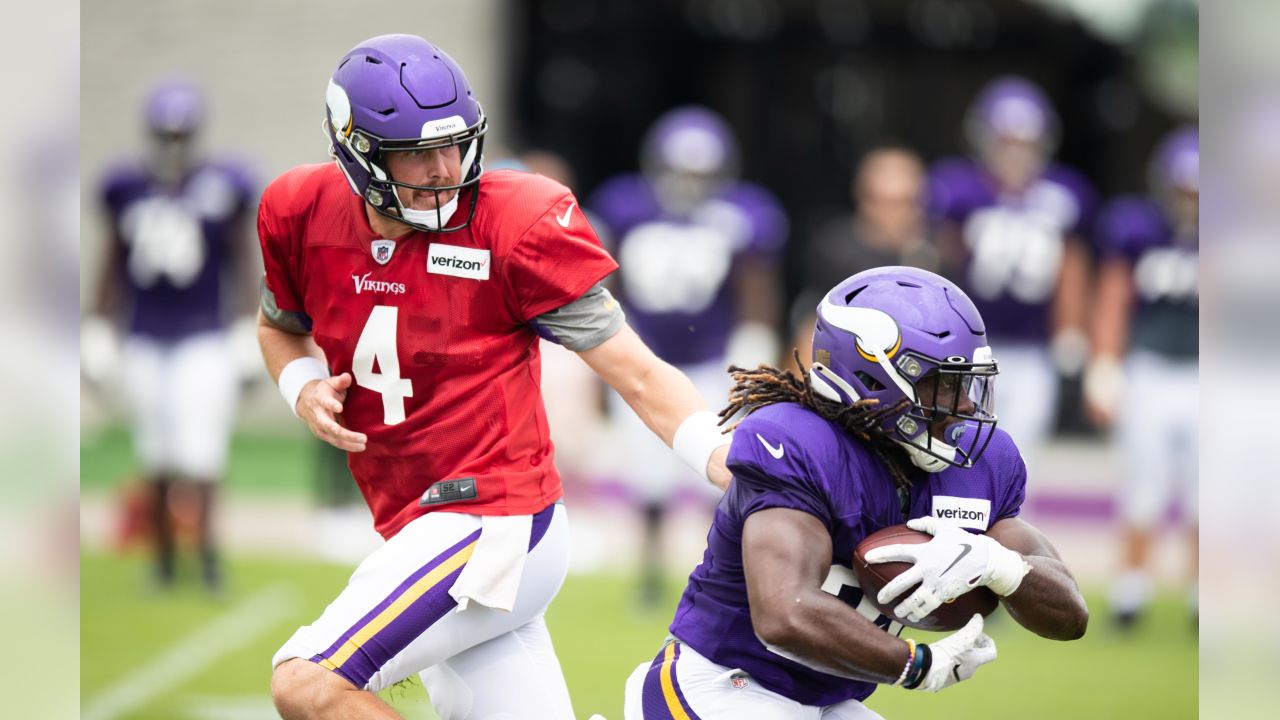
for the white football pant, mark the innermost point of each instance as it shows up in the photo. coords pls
(183, 397)
(680, 683)
(1159, 430)
(396, 617)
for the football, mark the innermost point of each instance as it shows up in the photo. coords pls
(948, 616)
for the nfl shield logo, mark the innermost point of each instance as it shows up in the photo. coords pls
(738, 680)
(382, 250)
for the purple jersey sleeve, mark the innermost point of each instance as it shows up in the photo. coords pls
(957, 187)
(1086, 198)
(1008, 476)
(619, 204)
(777, 459)
(120, 183)
(1129, 226)
(769, 226)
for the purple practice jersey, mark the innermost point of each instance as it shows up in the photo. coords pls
(675, 273)
(786, 456)
(1013, 246)
(175, 244)
(1166, 271)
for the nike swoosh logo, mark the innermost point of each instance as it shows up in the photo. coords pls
(965, 551)
(776, 452)
(564, 219)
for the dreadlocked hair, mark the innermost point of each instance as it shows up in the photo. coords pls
(768, 385)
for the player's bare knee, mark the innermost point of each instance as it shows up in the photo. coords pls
(301, 689)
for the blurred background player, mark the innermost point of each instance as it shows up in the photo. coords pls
(1144, 375)
(1013, 233)
(887, 226)
(698, 251)
(177, 232)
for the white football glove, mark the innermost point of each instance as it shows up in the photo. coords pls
(957, 656)
(948, 566)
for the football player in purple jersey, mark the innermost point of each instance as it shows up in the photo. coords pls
(697, 250)
(893, 421)
(1144, 375)
(1013, 230)
(177, 232)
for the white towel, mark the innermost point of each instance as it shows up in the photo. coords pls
(492, 576)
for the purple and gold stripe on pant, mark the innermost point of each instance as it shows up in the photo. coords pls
(661, 696)
(415, 605)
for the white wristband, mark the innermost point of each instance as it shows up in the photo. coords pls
(697, 438)
(1011, 568)
(297, 374)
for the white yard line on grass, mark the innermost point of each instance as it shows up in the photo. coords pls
(225, 634)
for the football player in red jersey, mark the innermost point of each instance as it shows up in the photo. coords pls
(425, 284)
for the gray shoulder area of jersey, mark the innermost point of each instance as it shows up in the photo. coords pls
(297, 323)
(584, 323)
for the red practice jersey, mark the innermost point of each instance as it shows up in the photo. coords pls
(434, 328)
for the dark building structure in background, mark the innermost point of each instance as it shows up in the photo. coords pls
(811, 85)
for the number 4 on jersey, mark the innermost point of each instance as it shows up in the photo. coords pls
(378, 344)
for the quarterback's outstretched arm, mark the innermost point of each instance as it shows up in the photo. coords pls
(1048, 601)
(660, 394)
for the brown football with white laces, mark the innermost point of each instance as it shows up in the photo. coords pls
(873, 577)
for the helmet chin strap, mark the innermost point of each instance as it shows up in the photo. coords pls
(435, 218)
(926, 461)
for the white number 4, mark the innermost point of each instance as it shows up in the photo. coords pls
(378, 344)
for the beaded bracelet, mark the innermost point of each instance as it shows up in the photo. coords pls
(911, 659)
(920, 668)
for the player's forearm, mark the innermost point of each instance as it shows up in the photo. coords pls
(1048, 602)
(1113, 301)
(661, 395)
(663, 398)
(821, 631)
(1070, 304)
(280, 347)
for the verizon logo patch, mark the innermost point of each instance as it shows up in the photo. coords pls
(458, 261)
(962, 511)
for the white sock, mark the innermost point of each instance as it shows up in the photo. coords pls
(1130, 592)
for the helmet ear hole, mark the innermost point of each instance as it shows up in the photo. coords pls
(869, 382)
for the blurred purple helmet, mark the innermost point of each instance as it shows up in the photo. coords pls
(882, 332)
(174, 107)
(397, 93)
(1176, 164)
(1012, 107)
(688, 154)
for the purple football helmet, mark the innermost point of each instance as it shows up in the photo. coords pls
(895, 333)
(1176, 164)
(1012, 107)
(400, 93)
(688, 154)
(1013, 130)
(174, 107)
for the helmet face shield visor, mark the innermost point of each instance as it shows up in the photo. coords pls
(954, 410)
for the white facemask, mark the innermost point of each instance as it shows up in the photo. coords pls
(437, 218)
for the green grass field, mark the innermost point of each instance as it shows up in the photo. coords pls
(600, 637)
(181, 655)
